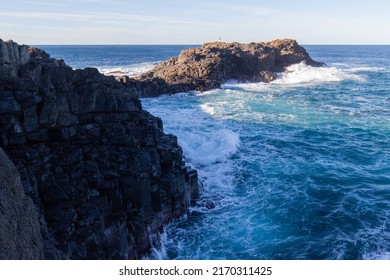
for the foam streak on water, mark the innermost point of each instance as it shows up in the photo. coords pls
(295, 169)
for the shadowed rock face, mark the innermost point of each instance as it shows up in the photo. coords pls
(103, 176)
(213, 64)
(20, 236)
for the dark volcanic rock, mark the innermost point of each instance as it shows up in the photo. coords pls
(20, 236)
(213, 64)
(103, 176)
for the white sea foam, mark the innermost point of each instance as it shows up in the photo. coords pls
(238, 111)
(131, 70)
(203, 140)
(209, 147)
(158, 250)
(304, 74)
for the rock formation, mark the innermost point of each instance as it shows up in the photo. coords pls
(211, 65)
(11, 57)
(103, 176)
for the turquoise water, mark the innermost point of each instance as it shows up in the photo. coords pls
(295, 169)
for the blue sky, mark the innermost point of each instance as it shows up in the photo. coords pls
(194, 21)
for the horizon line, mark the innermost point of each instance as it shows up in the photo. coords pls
(198, 44)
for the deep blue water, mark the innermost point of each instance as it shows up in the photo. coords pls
(295, 169)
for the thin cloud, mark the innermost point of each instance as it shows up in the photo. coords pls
(43, 15)
(44, 3)
(63, 4)
(105, 18)
(93, 17)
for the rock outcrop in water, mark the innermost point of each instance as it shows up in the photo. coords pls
(101, 173)
(211, 65)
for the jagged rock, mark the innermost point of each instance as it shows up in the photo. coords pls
(12, 56)
(36, 53)
(214, 63)
(102, 174)
(20, 236)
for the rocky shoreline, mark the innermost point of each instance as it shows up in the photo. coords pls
(85, 172)
(101, 173)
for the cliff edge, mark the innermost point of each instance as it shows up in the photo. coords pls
(102, 174)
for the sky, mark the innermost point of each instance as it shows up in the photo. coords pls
(40, 22)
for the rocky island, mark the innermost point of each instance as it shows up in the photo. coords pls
(209, 66)
(85, 172)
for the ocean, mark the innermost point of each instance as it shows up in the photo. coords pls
(295, 169)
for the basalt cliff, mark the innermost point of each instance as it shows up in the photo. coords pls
(209, 66)
(85, 172)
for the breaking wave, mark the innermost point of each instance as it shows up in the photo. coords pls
(131, 70)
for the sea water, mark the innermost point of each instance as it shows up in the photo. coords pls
(295, 169)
